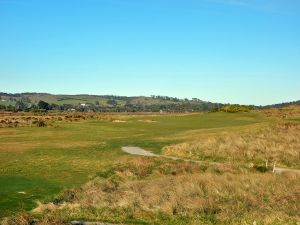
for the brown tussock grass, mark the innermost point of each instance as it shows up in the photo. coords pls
(230, 198)
(144, 186)
(278, 142)
(52, 207)
(286, 112)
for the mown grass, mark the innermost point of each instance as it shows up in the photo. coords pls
(69, 154)
(20, 193)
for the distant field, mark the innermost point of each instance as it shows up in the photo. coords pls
(79, 99)
(7, 103)
(61, 100)
(39, 162)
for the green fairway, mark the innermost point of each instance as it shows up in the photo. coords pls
(38, 163)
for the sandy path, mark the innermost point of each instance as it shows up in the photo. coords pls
(138, 151)
(142, 152)
(283, 170)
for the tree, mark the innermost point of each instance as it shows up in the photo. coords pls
(43, 105)
(21, 105)
(111, 102)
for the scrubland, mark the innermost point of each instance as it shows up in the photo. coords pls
(92, 180)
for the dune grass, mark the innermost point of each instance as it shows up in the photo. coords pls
(278, 143)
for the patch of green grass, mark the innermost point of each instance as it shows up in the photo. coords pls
(20, 193)
(8, 103)
(296, 119)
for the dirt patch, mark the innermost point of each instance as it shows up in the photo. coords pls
(119, 121)
(18, 146)
(79, 144)
(148, 121)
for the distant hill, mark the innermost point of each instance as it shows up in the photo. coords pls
(281, 105)
(105, 103)
(112, 103)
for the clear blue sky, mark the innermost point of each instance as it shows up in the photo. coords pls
(237, 51)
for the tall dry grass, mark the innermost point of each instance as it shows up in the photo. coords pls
(163, 192)
(286, 112)
(278, 142)
(23, 119)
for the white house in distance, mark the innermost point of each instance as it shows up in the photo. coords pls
(83, 104)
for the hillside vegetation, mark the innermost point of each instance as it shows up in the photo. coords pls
(109, 103)
(101, 103)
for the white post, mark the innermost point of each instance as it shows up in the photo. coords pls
(274, 167)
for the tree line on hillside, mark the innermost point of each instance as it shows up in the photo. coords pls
(25, 104)
(281, 105)
(112, 103)
(44, 106)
